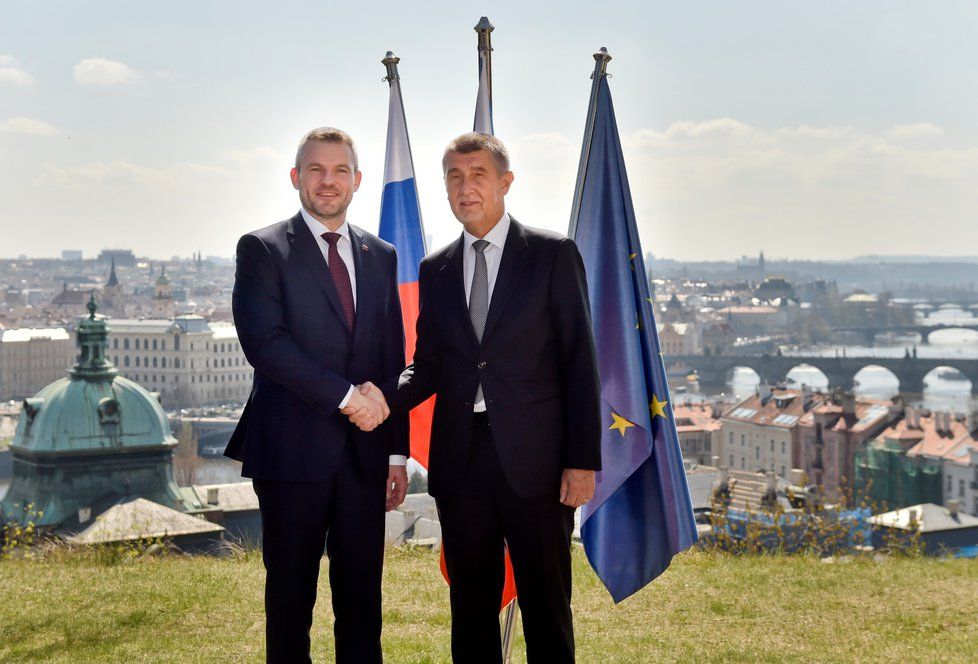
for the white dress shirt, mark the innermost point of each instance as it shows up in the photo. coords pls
(345, 249)
(494, 256)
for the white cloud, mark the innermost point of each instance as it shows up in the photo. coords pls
(102, 71)
(116, 174)
(22, 125)
(917, 130)
(10, 72)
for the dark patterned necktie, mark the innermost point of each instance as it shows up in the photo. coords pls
(341, 278)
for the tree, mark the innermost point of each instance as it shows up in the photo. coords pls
(417, 483)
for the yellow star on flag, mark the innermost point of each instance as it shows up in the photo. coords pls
(658, 407)
(620, 423)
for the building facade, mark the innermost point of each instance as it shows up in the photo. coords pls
(33, 358)
(188, 361)
(761, 432)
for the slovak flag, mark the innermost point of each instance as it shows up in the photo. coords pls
(400, 224)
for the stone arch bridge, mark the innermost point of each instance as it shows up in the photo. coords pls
(714, 370)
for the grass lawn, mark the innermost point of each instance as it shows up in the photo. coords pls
(705, 608)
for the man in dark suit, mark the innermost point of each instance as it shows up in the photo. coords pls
(317, 311)
(504, 339)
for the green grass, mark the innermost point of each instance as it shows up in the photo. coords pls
(705, 608)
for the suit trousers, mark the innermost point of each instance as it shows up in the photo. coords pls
(346, 516)
(475, 520)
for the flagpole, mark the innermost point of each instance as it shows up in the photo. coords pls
(601, 60)
(484, 29)
(394, 78)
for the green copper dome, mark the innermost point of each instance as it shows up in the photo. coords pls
(89, 438)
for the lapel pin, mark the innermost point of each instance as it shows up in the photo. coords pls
(365, 247)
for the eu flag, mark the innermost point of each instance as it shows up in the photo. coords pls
(641, 514)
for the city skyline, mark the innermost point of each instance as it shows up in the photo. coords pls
(812, 132)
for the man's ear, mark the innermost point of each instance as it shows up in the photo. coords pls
(356, 180)
(508, 178)
(294, 174)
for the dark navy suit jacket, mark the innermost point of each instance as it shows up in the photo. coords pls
(536, 362)
(292, 329)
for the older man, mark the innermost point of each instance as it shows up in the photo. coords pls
(504, 340)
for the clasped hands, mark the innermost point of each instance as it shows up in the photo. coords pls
(367, 407)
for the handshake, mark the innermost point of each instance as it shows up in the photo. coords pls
(367, 407)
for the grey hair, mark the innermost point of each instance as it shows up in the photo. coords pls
(473, 142)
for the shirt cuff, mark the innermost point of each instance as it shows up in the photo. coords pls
(346, 399)
(398, 460)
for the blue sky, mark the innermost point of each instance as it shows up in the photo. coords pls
(809, 130)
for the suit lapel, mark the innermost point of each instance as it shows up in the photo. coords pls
(510, 270)
(305, 245)
(362, 263)
(454, 284)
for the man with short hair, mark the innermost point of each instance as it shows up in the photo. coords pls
(317, 311)
(504, 340)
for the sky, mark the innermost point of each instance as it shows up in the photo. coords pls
(807, 130)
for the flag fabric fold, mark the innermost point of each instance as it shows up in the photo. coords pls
(400, 224)
(483, 100)
(641, 514)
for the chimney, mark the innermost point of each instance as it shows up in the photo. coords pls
(848, 403)
(764, 391)
(714, 461)
(953, 506)
(212, 495)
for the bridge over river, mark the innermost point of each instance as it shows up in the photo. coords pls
(715, 370)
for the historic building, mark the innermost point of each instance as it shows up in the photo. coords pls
(87, 441)
(163, 306)
(187, 360)
(832, 432)
(113, 297)
(32, 358)
(761, 432)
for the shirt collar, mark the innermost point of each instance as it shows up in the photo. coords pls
(496, 237)
(317, 228)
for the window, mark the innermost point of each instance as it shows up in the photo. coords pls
(782, 447)
(154, 359)
(176, 342)
(115, 343)
(137, 360)
(731, 458)
(176, 363)
(163, 344)
(961, 488)
(743, 442)
(772, 440)
(126, 360)
(950, 484)
(782, 471)
(125, 343)
(730, 440)
(742, 463)
(757, 452)
(154, 340)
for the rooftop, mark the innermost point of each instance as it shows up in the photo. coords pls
(782, 408)
(930, 518)
(32, 334)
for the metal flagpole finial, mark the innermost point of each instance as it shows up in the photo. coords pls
(390, 61)
(601, 60)
(484, 28)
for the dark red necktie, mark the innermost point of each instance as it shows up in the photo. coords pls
(341, 278)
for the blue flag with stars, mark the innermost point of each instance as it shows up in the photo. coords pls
(641, 514)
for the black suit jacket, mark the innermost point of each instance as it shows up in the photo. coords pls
(536, 363)
(292, 329)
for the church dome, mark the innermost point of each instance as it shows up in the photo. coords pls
(72, 416)
(89, 439)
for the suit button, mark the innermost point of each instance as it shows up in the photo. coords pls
(481, 364)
